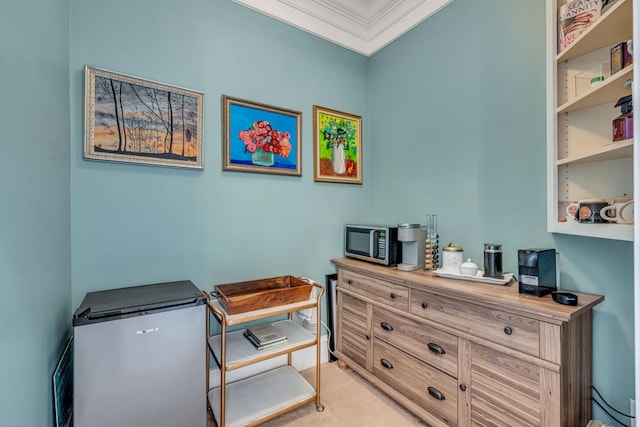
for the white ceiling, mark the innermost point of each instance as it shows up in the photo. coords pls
(364, 26)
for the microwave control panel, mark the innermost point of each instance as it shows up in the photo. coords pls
(382, 244)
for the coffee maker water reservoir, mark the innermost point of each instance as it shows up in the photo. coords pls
(412, 238)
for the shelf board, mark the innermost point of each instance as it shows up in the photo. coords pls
(240, 352)
(610, 90)
(615, 150)
(604, 231)
(234, 319)
(262, 396)
(612, 27)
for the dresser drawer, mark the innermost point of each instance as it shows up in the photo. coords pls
(384, 292)
(353, 339)
(517, 332)
(431, 389)
(428, 344)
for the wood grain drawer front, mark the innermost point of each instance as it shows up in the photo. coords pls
(428, 344)
(517, 332)
(505, 391)
(354, 335)
(433, 390)
(388, 293)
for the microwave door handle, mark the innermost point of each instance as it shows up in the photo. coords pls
(371, 242)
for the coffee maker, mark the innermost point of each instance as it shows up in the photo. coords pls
(412, 237)
(537, 271)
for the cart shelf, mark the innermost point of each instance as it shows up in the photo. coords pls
(240, 352)
(255, 399)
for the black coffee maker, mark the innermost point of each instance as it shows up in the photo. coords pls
(537, 271)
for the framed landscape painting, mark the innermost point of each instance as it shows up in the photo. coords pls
(260, 138)
(132, 120)
(337, 146)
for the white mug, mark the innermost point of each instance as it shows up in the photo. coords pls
(571, 210)
(619, 210)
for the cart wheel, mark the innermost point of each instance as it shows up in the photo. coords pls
(320, 408)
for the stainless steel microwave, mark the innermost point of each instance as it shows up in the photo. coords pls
(372, 243)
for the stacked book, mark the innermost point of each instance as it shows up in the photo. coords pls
(264, 336)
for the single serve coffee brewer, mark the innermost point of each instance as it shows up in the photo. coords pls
(537, 271)
(412, 238)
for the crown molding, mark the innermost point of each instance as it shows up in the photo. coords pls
(363, 26)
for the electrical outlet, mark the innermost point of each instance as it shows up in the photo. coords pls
(632, 411)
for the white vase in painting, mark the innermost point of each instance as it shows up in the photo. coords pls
(337, 158)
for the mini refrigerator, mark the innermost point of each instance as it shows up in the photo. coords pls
(140, 357)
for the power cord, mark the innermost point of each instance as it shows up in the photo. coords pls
(307, 323)
(328, 338)
(611, 407)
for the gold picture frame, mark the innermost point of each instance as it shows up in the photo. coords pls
(337, 146)
(260, 138)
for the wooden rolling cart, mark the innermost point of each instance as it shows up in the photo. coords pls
(254, 400)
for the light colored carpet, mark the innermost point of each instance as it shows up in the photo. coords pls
(349, 401)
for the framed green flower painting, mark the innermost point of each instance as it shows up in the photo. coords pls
(337, 141)
(260, 138)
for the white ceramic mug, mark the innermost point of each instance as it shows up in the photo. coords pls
(619, 210)
(572, 210)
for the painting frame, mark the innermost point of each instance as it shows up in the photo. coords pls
(337, 154)
(129, 119)
(260, 138)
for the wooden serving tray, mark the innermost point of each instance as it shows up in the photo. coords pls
(264, 293)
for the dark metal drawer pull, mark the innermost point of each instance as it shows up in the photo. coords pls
(435, 348)
(386, 363)
(425, 305)
(435, 393)
(386, 326)
(393, 295)
(349, 281)
(508, 330)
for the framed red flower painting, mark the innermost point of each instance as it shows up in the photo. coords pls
(260, 138)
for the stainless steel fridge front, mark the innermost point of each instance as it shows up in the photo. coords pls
(145, 369)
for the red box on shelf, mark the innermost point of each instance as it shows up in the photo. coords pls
(623, 127)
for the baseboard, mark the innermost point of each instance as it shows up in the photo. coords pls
(301, 359)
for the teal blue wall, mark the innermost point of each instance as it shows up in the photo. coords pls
(35, 279)
(135, 224)
(457, 128)
(454, 117)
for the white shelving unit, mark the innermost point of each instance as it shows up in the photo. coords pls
(582, 160)
(254, 400)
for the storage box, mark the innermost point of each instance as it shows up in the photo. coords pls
(623, 127)
(620, 57)
(264, 293)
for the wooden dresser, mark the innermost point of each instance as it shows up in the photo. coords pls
(459, 353)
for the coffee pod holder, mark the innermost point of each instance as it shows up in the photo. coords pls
(431, 253)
